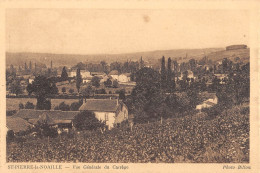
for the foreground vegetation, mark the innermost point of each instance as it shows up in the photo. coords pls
(201, 138)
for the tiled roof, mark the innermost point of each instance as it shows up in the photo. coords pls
(17, 124)
(54, 114)
(102, 105)
(35, 121)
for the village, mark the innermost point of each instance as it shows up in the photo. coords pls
(48, 101)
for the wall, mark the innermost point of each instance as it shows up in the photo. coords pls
(122, 115)
(111, 118)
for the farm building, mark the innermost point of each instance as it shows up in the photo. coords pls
(60, 119)
(114, 74)
(124, 77)
(112, 111)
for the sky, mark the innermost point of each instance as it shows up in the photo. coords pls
(105, 31)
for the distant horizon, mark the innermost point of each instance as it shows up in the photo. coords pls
(123, 52)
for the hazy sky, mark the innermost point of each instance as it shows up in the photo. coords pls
(85, 31)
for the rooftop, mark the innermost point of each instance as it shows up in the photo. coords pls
(53, 114)
(17, 124)
(102, 105)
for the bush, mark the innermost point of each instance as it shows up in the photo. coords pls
(21, 106)
(71, 91)
(86, 120)
(29, 105)
(10, 136)
(76, 105)
(63, 107)
(10, 113)
(43, 129)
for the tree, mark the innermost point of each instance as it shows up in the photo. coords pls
(95, 81)
(146, 97)
(76, 105)
(115, 84)
(163, 74)
(71, 91)
(15, 87)
(43, 129)
(63, 90)
(122, 94)
(86, 120)
(108, 83)
(63, 106)
(21, 106)
(78, 79)
(43, 88)
(64, 74)
(87, 92)
(30, 65)
(29, 89)
(141, 62)
(104, 66)
(170, 77)
(29, 105)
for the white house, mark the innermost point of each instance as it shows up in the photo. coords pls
(30, 80)
(112, 111)
(85, 74)
(124, 77)
(72, 73)
(114, 74)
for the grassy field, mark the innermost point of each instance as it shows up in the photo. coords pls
(13, 103)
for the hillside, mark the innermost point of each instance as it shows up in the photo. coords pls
(152, 57)
(72, 59)
(190, 139)
(243, 54)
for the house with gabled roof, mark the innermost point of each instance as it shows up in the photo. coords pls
(61, 119)
(112, 111)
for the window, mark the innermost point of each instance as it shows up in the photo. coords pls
(106, 116)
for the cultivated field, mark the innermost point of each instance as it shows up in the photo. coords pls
(13, 103)
(196, 139)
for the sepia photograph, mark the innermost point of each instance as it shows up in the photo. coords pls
(127, 85)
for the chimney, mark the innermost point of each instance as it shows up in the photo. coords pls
(117, 102)
(110, 98)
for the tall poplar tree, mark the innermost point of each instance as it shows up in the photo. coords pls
(64, 74)
(170, 77)
(163, 74)
(78, 79)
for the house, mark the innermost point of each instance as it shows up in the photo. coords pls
(112, 111)
(72, 73)
(86, 80)
(17, 124)
(60, 119)
(85, 74)
(124, 77)
(114, 74)
(31, 79)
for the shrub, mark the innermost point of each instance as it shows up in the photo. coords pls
(29, 105)
(76, 105)
(21, 106)
(86, 120)
(10, 136)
